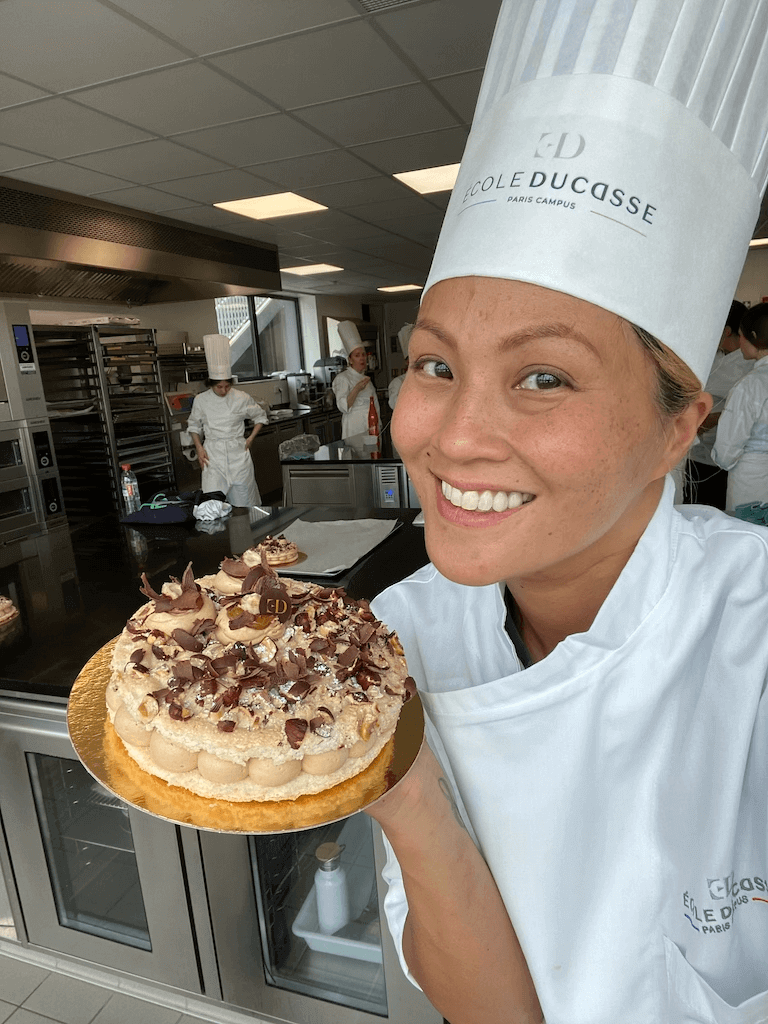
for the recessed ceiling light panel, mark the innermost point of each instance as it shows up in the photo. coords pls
(430, 179)
(374, 6)
(280, 204)
(308, 269)
(401, 288)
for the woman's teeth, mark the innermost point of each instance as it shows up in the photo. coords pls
(485, 501)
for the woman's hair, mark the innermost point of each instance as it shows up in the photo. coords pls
(754, 325)
(676, 385)
(738, 309)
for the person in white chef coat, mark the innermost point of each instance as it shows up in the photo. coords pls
(706, 483)
(584, 836)
(352, 387)
(217, 425)
(393, 390)
(741, 443)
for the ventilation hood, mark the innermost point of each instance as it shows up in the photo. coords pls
(54, 244)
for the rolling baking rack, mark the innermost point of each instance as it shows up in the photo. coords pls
(104, 400)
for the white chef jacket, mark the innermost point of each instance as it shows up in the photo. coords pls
(741, 445)
(727, 370)
(394, 390)
(220, 421)
(354, 420)
(618, 789)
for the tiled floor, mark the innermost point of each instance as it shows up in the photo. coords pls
(33, 993)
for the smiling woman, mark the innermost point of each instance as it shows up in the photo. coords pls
(577, 641)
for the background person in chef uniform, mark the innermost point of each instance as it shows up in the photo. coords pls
(705, 481)
(352, 387)
(741, 442)
(216, 424)
(403, 338)
(586, 839)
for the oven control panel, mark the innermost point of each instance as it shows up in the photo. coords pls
(21, 379)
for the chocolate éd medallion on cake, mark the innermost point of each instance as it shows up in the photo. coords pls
(270, 691)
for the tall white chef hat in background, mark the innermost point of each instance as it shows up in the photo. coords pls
(404, 338)
(618, 153)
(218, 356)
(350, 336)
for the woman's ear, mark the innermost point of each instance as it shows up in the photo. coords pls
(681, 430)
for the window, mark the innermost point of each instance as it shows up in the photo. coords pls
(264, 334)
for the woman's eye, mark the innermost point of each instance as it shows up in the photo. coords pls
(541, 380)
(435, 368)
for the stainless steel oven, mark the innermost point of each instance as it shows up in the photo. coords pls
(30, 491)
(19, 511)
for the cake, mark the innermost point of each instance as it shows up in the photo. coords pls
(248, 687)
(9, 617)
(278, 551)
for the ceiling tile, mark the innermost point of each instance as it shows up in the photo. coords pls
(373, 244)
(380, 115)
(258, 230)
(148, 162)
(160, 101)
(58, 128)
(423, 230)
(367, 264)
(141, 198)
(274, 136)
(430, 149)
(12, 91)
(439, 199)
(352, 193)
(286, 237)
(329, 225)
(444, 37)
(218, 187)
(11, 158)
(362, 61)
(306, 253)
(461, 92)
(205, 216)
(61, 46)
(315, 169)
(404, 206)
(399, 250)
(68, 178)
(206, 26)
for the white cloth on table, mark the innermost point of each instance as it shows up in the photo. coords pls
(212, 509)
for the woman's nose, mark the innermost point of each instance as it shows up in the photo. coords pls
(475, 426)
